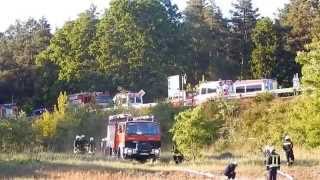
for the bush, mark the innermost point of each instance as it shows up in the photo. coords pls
(264, 97)
(267, 123)
(305, 121)
(16, 135)
(56, 130)
(262, 124)
(198, 127)
(165, 113)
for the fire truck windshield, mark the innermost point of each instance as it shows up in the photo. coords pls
(143, 128)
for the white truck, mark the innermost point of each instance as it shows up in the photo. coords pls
(230, 90)
(131, 99)
(212, 90)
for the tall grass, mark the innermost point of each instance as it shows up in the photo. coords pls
(66, 166)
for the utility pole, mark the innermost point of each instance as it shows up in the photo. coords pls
(241, 67)
(183, 80)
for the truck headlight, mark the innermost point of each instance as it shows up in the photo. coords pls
(129, 152)
(157, 151)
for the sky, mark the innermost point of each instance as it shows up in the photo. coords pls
(59, 11)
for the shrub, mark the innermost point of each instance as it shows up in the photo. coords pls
(262, 124)
(264, 97)
(165, 113)
(198, 127)
(16, 134)
(305, 121)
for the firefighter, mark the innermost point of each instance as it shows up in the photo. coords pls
(288, 149)
(230, 170)
(83, 143)
(92, 146)
(177, 155)
(103, 146)
(272, 163)
(76, 144)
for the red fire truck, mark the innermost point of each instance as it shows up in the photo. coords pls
(133, 137)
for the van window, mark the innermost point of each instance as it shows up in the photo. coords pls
(211, 90)
(240, 89)
(138, 100)
(254, 88)
(203, 91)
(132, 100)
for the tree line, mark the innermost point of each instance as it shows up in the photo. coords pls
(137, 44)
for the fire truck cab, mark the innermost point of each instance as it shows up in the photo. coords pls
(133, 137)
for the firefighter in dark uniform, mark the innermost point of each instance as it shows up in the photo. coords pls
(76, 144)
(288, 149)
(83, 144)
(177, 155)
(92, 146)
(272, 163)
(230, 171)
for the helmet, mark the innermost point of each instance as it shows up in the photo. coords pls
(82, 136)
(77, 137)
(271, 149)
(266, 149)
(91, 138)
(287, 137)
(234, 163)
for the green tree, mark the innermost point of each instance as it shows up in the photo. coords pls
(307, 111)
(205, 32)
(137, 38)
(286, 66)
(299, 15)
(244, 18)
(265, 45)
(198, 127)
(46, 125)
(70, 56)
(69, 48)
(310, 62)
(20, 78)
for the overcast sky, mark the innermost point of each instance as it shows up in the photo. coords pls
(59, 11)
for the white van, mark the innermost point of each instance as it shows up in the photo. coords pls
(250, 88)
(208, 90)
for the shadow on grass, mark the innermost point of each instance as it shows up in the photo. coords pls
(38, 169)
(224, 156)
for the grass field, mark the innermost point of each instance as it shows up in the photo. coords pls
(69, 166)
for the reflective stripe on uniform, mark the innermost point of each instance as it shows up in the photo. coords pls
(286, 143)
(274, 161)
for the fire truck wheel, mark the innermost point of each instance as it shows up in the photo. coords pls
(110, 151)
(154, 160)
(118, 153)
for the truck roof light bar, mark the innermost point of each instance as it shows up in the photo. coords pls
(144, 118)
(120, 116)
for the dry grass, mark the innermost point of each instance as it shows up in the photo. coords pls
(67, 166)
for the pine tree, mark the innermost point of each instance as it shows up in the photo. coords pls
(265, 43)
(300, 16)
(205, 31)
(244, 18)
(20, 77)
